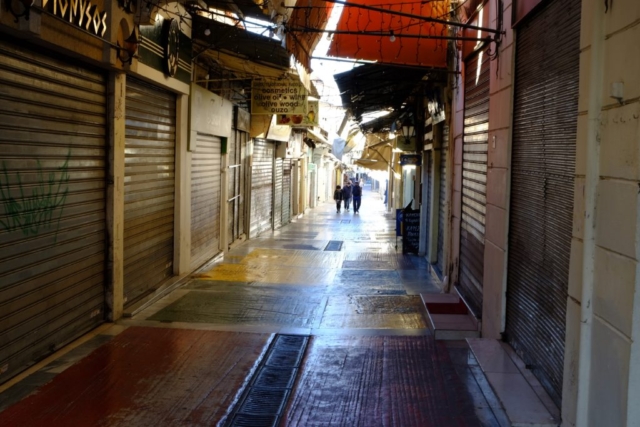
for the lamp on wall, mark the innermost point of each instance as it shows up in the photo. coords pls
(408, 130)
(129, 47)
(26, 8)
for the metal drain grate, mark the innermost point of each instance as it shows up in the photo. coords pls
(334, 245)
(264, 400)
(345, 221)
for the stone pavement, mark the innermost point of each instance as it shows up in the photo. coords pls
(185, 360)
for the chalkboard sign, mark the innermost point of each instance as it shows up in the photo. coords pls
(410, 231)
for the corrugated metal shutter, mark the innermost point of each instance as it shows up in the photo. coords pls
(286, 191)
(277, 198)
(442, 211)
(542, 188)
(52, 204)
(149, 188)
(205, 199)
(474, 179)
(261, 187)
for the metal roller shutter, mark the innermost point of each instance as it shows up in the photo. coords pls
(542, 188)
(52, 204)
(277, 198)
(261, 187)
(149, 188)
(474, 179)
(205, 199)
(286, 191)
(442, 211)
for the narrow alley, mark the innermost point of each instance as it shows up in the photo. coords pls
(203, 355)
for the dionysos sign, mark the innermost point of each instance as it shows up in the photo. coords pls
(82, 13)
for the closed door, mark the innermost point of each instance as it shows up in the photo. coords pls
(53, 131)
(149, 188)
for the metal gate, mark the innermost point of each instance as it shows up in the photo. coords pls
(205, 199)
(149, 188)
(237, 155)
(277, 197)
(261, 187)
(286, 191)
(474, 179)
(442, 205)
(428, 182)
(542, 188)
(52, 204)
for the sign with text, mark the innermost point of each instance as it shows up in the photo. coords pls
(309, 118)
(83, 13)
(410, 160)
(278, 97)
(410, 231)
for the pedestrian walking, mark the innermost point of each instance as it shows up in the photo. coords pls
(357, 197)
(337, 196)
(346, 195)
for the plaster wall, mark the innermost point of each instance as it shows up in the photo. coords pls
(498, 173)
(612, 388)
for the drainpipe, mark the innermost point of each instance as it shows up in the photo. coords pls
(592, 176)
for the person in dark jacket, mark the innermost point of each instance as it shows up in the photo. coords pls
(337, 196)
(357, 197)
(346, 195)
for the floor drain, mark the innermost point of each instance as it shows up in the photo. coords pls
(264, 400)
(345, 221)
(333, 245)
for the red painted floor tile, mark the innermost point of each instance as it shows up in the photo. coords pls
(146, 377)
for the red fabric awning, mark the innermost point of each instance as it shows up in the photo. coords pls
(420, 50)
(308, 14)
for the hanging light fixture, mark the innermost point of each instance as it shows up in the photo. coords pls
(26, 8)
(408, 130)
(392, 37)
(127, 52)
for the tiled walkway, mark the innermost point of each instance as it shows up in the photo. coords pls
(184, 360)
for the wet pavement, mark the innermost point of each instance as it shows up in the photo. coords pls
(185, 360)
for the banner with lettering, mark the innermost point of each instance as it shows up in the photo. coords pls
(286, 97)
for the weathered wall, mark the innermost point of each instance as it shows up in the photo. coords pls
(605, 250)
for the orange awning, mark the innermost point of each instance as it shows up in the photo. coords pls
(308, 14)
(418, 49)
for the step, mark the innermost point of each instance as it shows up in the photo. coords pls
(449, 317)
(524, 400)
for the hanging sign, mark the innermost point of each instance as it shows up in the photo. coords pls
(83, 13)
(410, 160)
(278, 97)
(309, 118)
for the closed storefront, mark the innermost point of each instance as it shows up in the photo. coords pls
(149, 188)
(237, 151)
(262, 187)
(442, 204)
(542, 187)
(205, 199)
(474, 179)
(286, 191)
(277, 197)
(52, 203)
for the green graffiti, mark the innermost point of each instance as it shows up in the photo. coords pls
(42, 208)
